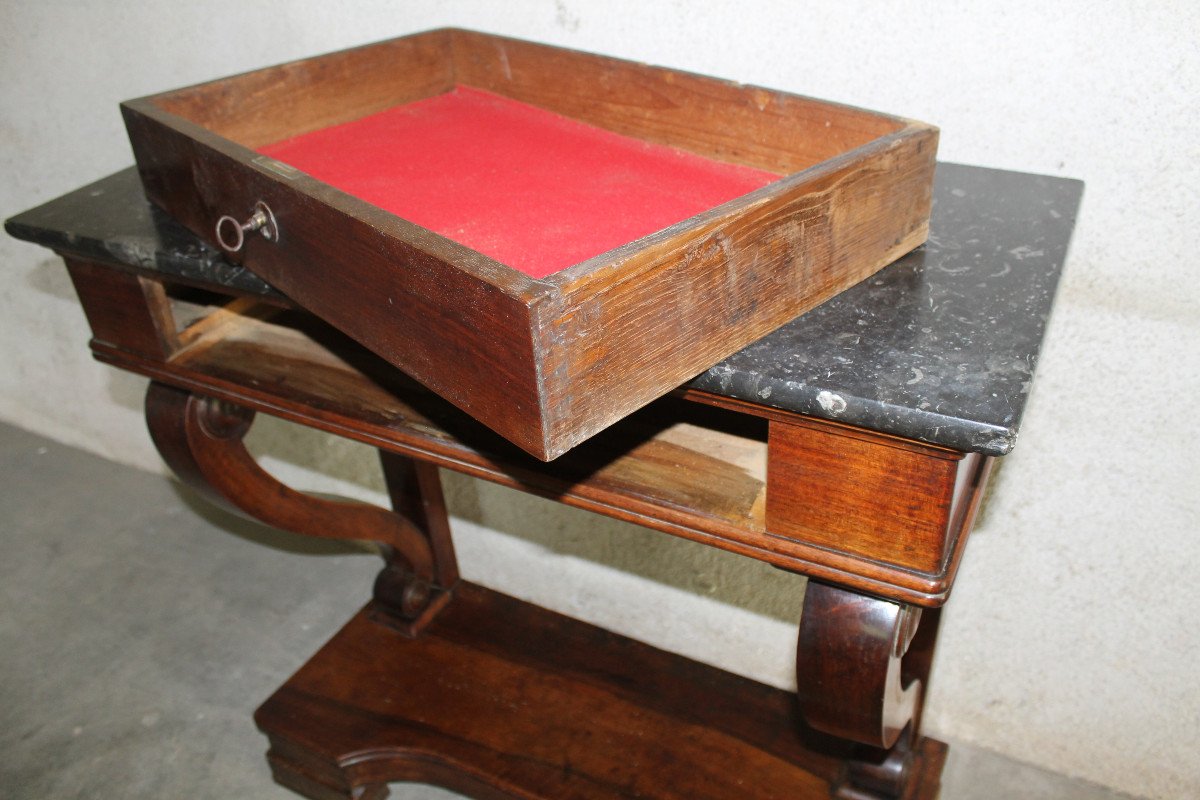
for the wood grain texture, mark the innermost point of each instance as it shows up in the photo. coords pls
(723, 120)
(570, 354)
(862, 494)
(501, 699)
(677, 466)
(266, 105)
(682, 300)
(124, 311)
(401, 290)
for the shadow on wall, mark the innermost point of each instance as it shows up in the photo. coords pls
(49, 276)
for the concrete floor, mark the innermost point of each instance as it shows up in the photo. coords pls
(140, 627)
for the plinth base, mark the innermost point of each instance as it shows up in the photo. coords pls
(499, 698)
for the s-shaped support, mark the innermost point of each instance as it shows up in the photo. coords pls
(201, 439)
(863, 665)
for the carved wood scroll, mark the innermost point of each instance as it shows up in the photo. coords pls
(863, 667)
(202, 440)
(849, 665)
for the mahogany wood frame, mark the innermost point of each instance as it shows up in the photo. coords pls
(580, 349)
(865, 640)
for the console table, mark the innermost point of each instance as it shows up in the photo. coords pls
(852, 446)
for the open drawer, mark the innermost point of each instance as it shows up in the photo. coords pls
(547, 239)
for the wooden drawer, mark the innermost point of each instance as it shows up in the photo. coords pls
(545, 358)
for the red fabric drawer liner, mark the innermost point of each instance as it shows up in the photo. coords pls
(532, 189)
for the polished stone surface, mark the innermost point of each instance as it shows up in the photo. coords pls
(940, 346)
(110, 220)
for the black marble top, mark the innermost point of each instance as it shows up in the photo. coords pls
(940, 346)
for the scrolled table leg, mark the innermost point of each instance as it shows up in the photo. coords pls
(415, 489)
(862, 664)
(202, 440)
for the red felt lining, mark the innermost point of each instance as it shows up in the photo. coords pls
(532, 189)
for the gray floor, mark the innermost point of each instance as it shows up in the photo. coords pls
(139, 627)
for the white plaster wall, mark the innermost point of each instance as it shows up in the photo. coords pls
(1071, 641)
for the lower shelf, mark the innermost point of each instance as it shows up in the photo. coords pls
(499, 698)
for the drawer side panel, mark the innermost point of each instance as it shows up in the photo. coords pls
(684, 302)
(383, 282)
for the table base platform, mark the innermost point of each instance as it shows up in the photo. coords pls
(499, 698)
